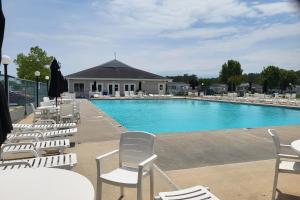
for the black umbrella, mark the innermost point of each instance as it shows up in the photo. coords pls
(66, 85)
(55, 82)
(2, 26)
(5, 120)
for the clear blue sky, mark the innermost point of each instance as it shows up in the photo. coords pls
(167, 37)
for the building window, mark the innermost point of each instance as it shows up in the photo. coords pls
(116, 87)
(161, 87)
(78, 87)
(126, 87)
(131, 87)
(99, 88)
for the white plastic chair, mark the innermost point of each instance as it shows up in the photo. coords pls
(126, 93)
(136, 157)
(285, 163)
(37, 114)
(117, 93)
(46, 99)
(67, 113)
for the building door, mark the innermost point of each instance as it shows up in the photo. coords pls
(110, 89)
(161, 89)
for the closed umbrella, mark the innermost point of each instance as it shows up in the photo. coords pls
(2, 26)
(5, 120)
(66, 88)
(55, 84)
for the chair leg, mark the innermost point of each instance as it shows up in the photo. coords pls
(275, 184)
(151, 184)
(122, 192)
(99, 190)
(139, 191)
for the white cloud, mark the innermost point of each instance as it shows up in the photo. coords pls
(275, 8)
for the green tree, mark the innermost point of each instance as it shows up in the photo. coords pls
(270, 77)
(231, 74)
(287, 77)
(36, 60)
(252, 78)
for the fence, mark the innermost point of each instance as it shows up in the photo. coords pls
(21, 94)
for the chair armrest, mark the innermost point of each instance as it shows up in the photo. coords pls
(285, 145)
(102, 157)
(99, 158)
(289, 156)
(148, 161)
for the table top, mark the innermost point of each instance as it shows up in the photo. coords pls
(46, 184)
(47, 107)
(296, 146)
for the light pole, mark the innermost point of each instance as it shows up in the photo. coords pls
(6, 61)
(47, 81)
(37, 74)
(202, 84)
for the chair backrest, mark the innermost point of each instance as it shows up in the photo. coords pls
(126, 93)
(117, 93)
(66, 109)
(135, 146)
(32, 107)
(293, 96)
(46, 99)
(276, 139)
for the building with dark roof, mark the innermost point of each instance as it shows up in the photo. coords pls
(115, 77)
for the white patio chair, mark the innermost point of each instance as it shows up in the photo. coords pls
(46, 99)
(39, 147)
(64, 161)
(77, 111)
(37, 114)
(285, 163)
(117, 93)
(126, 93)
(132, 94)
(192, 193)
(136, 157)
(66, 113)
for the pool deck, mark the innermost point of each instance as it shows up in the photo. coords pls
(236, 164)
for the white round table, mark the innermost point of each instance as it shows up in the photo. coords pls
(46, 184)
(296, 146)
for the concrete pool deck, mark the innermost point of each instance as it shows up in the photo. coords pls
(235, 164)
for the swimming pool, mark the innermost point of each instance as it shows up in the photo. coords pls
(167, 116)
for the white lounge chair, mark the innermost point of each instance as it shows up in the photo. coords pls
(37, 126)
(38, 147)
(40, 135)
(136, 157)
(64, 161)
(285, 163)
(192, 193)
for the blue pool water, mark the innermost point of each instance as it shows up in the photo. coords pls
(165, 116)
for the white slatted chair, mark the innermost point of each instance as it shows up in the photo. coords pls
(37, 126)
(64, 161)
(40, 135)
(38, 147)
(37, 114)
(126, 93)
(136, 157)
(285, 163)
(192, 193)
(67, 113)
(117, 93)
